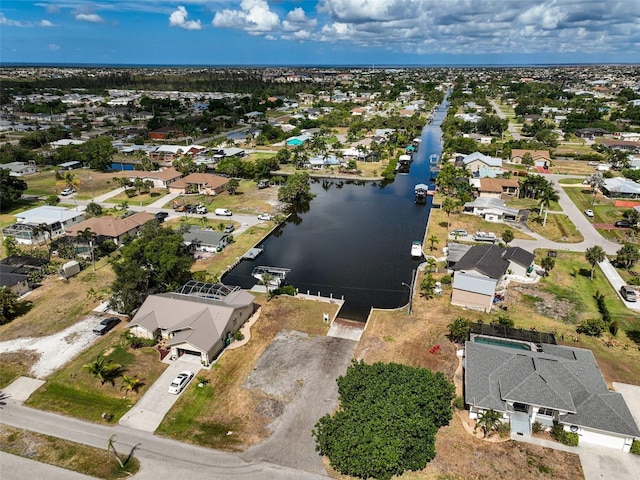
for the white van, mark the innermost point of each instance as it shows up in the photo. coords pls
(223, 212)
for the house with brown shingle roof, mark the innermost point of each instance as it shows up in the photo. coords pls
(160, 178)
(499, 187)
(537, 155)
(112, 228)
(203, 183)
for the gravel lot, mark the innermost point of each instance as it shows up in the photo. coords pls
(298, 372)
(57, 349)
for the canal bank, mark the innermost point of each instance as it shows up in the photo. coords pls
(353, 240)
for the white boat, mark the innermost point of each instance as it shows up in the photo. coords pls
(275, 276)
(416, 249)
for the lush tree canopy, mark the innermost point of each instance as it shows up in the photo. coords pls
(156, 261)
(388, 419)
(296, 189)
(11, 187)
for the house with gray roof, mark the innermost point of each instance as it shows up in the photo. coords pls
(491, 209)
(205, 240)
(618, 187)
(473, 291)
(550, 384)
(26, 229)
(193, 324)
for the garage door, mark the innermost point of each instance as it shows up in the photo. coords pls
(601, 439)
(520, 423)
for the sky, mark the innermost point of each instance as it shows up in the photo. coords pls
(320, 32)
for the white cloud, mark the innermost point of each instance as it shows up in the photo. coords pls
(89, 17)
(46, 23)
(180, 18)
(297, 21)
(254, 16)
(53, 47)
(11, 23)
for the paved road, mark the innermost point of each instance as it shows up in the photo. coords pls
(512, 129)
(159, 457)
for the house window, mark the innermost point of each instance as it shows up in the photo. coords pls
(547, 412)
(520, 407)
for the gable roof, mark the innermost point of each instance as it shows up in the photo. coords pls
(485, 259)
(518, 255)
(561, 378)
(111, 227)
(497, 185)
(490, 161)
(208, 179)
(203, 237)
(474, 284)
(165, 174)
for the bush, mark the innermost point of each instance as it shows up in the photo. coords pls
(285, 290)
(131, 192)
(635, 447)
(458, 403)
(635, 281)
(613, 328)
(504, 429)
(593, 327)
(237, 335)
(537, 427)
(557, 432)
(52, 200)
(446, 280)
(570, 439)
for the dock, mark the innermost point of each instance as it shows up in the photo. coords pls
(253, 253)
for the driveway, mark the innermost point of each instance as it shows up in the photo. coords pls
(147, 414)
(616, 282)
(606, 463)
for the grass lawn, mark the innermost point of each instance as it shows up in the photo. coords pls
(559, 227)
(15, 365)
(92, 461)
(603, 209)
(91, 183)
(203, 415)
(142, 200)
(72, 391)
(571, 167)
(570, 181)
(248, 199)
(531, 204)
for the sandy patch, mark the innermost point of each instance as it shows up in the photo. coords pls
(57, 349)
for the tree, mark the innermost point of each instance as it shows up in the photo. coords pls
(459, 330)
(448, 206)
(627, 256)
(131, 384)
(432, 264)
(93, 209)
(11, 187)
(596, 181)
(69, 180)
(98, 152)
(547, 196)
(232, 186)
(88, 237)
(433, 240)
(156, 261)
(427, 285)
(387, 421)
(527, 160)
(594, 255)
(8, 305)
(547, 264)
(489, 421)
(185, 165)
(296, 190)
(507, 236)
(103, 369)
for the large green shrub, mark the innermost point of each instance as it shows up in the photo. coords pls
(388, 418)
(594, 327)
(635, 447)
(570, 439)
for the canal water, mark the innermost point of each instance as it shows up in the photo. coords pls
(354, 241)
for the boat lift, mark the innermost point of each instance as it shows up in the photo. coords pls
(277, 274)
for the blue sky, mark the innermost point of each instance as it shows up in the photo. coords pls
(320, 32)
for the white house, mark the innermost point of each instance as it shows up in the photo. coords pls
(19, 169)
(55, 218)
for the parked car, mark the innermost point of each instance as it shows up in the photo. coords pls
(67, 191)
(161, 216)
(628, 293)
(263, 184)
(229, 229)
(201, 209)
(105, 325)
(552, 253)
(623, 224)
(265, 216)
(181, 381)
(461, 232)
(589, 213)
(224, 212)
(190, 208)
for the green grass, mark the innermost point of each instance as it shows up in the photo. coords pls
(570, 181)
(72, 391)
(138, 200)
(92, 461)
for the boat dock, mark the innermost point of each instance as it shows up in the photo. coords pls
(252, 253)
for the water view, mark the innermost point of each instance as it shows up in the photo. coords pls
(355, 239)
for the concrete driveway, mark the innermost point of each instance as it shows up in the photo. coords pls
(147, 414)
(606, 463)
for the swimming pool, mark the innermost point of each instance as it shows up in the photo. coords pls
(499, 342)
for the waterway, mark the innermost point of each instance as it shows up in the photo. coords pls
(354, 241)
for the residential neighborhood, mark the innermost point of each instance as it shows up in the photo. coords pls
(139, 298)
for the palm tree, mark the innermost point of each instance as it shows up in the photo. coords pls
(111, 448)
(432, 264)
(69, 179)
(547, 196)
(433, 240)
(448, 206)
(42, 230)
(267, 278)
(427, 285)
(594, 255)
(88, 237)
(489, 420)
(131, 384)
(103, 369)
(527, 160)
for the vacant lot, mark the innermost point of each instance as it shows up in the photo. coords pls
(205, 415)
